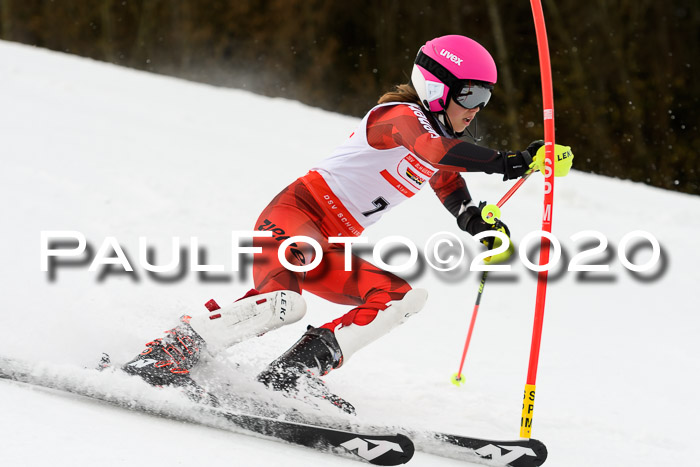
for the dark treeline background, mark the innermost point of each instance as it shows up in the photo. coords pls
(625, 72)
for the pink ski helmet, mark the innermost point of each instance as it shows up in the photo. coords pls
(446, 65)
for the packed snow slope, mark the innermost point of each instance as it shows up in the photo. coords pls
(112, 152)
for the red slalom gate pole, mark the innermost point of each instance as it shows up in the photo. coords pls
(548, 107)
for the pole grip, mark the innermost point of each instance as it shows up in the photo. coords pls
(490, 213)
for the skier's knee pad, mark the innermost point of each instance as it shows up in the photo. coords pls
(249, 317)
(354, 337)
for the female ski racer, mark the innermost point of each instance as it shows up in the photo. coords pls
(409, 140)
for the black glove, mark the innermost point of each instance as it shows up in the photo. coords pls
(518, 163)
(470, 221)
(534, 147)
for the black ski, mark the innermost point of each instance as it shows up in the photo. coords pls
(377, 449)
(496, 453)
(513, 453)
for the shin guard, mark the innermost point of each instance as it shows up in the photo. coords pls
(354, 337)
(251, 316)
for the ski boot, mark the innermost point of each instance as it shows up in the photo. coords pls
(166, 361)
(297, 371)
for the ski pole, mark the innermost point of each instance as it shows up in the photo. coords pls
(457, 378)
(514, 188)
(548, 114)
(490, 213)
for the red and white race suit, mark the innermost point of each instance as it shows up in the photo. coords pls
(394, 152)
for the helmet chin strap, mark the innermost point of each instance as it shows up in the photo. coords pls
(445, 120)
(475, 137)
(442, 117)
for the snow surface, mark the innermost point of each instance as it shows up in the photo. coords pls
(107, 151)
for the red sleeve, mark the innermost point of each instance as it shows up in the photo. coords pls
(445, 183)
(401, 125)
(398, 125)
(451, 189)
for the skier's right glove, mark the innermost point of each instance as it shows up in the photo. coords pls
(518, 163)
(471, 221)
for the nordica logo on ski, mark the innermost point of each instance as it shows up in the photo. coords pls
(511, 453)
(364, 451)
(452, 57)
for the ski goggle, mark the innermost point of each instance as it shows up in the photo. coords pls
(473, 95)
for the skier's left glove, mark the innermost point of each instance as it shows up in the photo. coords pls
(471, 221)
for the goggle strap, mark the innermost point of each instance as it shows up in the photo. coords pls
(437, 70)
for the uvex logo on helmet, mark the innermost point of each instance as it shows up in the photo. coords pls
(450, 56)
